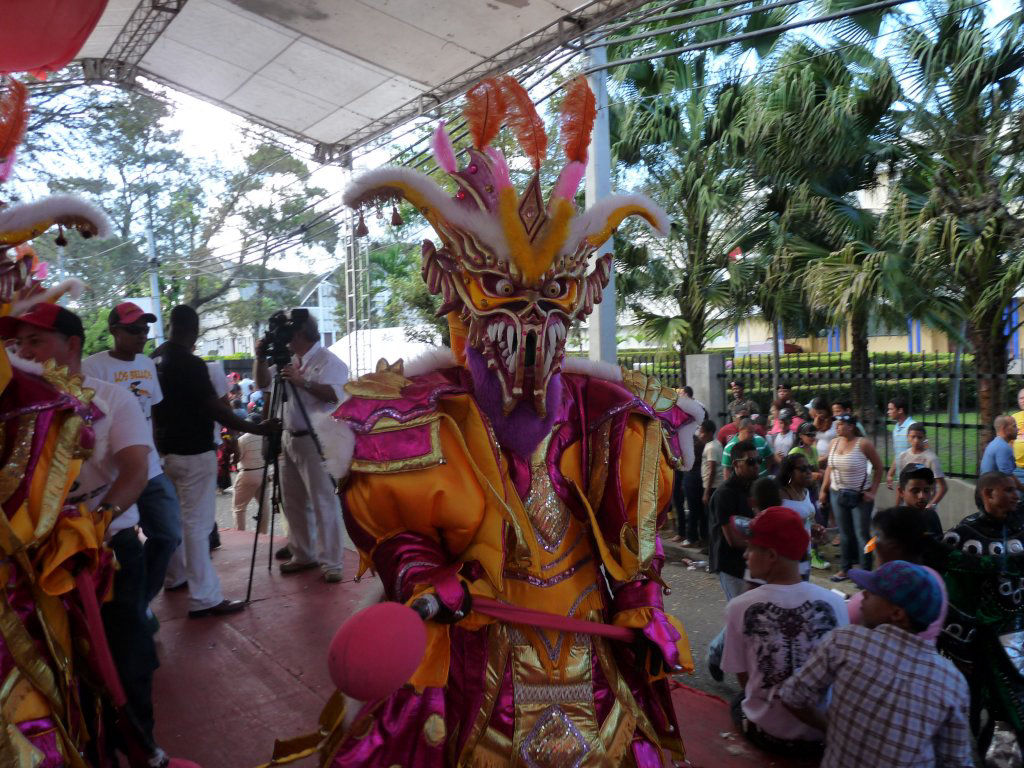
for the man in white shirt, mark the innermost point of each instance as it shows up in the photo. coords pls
(111, 480)
(127, 367)
(315, 377)
(771, 630)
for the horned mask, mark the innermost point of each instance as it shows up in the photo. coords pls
(513, 272)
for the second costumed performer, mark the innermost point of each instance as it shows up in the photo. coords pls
(501, 469)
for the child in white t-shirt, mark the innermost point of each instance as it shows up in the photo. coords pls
(919, 453)
(771, 630)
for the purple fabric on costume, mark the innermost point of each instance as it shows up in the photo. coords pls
(402, 560)
(395, 735)
(418, 398)
(522, 430)
(661, 632)
(43, 735)
(395, 445)
(638, 594)
(647, 755)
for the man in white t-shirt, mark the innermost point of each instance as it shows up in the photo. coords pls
(110, 479)
(126, 366)
(771, 630)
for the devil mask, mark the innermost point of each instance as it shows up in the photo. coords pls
(513, 272)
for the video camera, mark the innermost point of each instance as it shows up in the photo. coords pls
(281, 328)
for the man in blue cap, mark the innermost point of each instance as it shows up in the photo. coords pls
(895, 700)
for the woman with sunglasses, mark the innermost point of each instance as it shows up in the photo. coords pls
(852, 475)
(795, 479)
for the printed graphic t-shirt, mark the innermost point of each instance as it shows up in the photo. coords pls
(139, 377)
(770, 632)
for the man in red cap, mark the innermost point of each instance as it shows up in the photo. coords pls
(127, 367)
(112, 477)
(771, 630)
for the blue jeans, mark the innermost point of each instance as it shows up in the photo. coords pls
(160, 520)
(130, 639)
(854, 531)
(732, 587)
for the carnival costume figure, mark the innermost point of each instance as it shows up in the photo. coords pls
(47, 427)
(982, 562)
(501, 469)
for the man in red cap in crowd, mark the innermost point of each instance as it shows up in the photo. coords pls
(127, 367)
(771, 630)
(112, 477)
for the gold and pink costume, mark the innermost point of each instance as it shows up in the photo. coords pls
(507, 471)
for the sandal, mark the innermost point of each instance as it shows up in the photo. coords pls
(838, 577)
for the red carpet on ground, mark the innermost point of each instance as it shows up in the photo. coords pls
(228, 687)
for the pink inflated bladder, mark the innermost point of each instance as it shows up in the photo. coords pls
(376, 651)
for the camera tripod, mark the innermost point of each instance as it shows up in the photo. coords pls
(272, 457)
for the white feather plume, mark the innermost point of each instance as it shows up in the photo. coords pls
(596, 216)
(596, 368)
(435, 359)
(485, 227)
(25, 215)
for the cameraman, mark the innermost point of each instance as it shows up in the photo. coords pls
(316, 377)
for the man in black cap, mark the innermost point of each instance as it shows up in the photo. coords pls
(127, 367)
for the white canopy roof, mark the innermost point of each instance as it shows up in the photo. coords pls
(334, 72)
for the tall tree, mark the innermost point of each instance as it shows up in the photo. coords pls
(684, 132)
(967, 141)
(822, 132)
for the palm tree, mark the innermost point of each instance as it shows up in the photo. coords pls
(679, 120)
(821, 132)
(964, 193)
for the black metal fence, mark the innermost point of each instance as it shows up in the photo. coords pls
(941, 395)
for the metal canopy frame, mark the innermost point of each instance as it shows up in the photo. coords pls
(122, 65)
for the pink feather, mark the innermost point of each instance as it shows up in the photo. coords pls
(444, 152)
(6, 166)
(569, 180)
(502, 178)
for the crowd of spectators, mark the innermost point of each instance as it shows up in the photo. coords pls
(917, 665)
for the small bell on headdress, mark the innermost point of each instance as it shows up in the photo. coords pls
(361, 228)
(396, 217)
(61, 240)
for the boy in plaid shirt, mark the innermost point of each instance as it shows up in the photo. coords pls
(895, 700)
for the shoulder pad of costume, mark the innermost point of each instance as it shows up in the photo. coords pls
(650, 390)
(395, 419)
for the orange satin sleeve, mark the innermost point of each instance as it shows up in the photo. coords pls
(445, 502)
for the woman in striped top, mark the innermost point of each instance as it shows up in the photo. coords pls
(852, 475)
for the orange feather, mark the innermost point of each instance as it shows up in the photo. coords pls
(524, 120)
(13, 116)
(579, 110)
(484, 111)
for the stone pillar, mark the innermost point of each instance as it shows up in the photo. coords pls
(705, 374)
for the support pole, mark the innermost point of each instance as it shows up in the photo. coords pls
(598, 186)
(154, 277)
